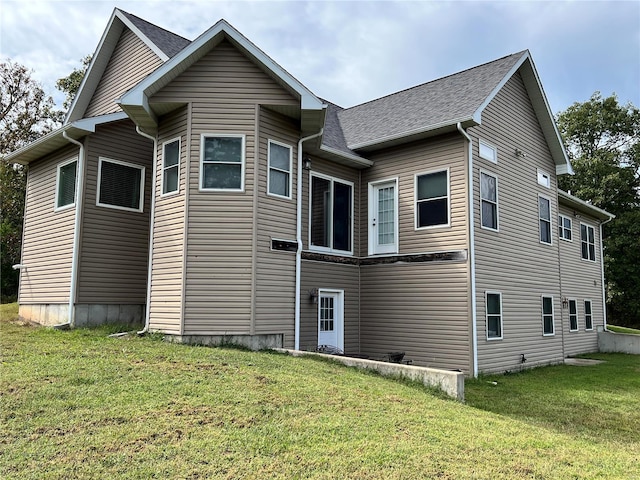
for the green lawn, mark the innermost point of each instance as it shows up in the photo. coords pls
(78, 404)
(631, 331)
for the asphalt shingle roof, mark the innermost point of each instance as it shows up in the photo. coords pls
(167, 41)
(449, 99)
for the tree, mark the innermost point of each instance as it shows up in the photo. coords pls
(603, 142)
(71, 83)
(26, 113)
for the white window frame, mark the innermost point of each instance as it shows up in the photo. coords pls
(415, 199)
(590, 315)
(488, 146)
(269, 168)
(486, 311)
(497, 229)
(373, 209)
(243, 155)
(588, 259)
(101, 160)
(550, 221)
(562, 230)
(58, 208)
(339, 320)
(575, 302)
(164, 167)
(544, 178)
(318, 248)
(553, 319)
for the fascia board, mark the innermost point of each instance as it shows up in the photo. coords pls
(363, 162)
(571, 201)
(163, 56)
(96, 68)
(45, 145)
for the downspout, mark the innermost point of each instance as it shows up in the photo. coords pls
(147, 315)
(76, 231)
(299, 236)
(604, 299)
(472, 253)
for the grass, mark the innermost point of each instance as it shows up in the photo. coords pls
(78, 404)
(631, 331)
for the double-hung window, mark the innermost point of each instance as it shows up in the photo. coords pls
(170, 166)
(222, 162)
(432, 199)
(588, 241)
(544, 214)
(279, 180)
(120, 185)
(489, 200)
(547, 316)
(493, 302)
(331, 214)
(564, 227)
(66, 184)
(573, 315)
(588, 316)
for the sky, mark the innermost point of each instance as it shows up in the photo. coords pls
(353, 52)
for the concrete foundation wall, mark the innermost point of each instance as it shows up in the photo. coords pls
(253, 342)
(611, 342)
(47, 314)
(86, 315)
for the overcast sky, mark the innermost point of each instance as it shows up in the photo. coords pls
(352, 52)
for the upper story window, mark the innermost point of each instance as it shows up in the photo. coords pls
(170, 166)
(493, 302)
(544, 214)
(432, 199)
(547, 316)
(544, 179)
(587, 237)
(573, 315)
(487, 151)
(331, 214)
(120, 185)
(564, 228)
(279, 180)
(66, 184)
(489, 201)
(222, 162)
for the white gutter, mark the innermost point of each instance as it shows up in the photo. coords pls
(299, 236)
(472, 253)
(76, 228)
(604, 299)
(147, 315)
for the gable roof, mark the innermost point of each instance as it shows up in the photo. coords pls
(438, 106)
(162, 42)
(136, 101)
(581, 206)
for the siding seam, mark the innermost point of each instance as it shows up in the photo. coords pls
(254, 227)
(187, 188)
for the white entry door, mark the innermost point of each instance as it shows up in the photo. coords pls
(383, 218)
(330, 319)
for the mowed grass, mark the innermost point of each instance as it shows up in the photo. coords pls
(631, 331)
(78, 404)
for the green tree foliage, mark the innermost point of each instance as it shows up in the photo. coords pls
(603, 142)
(26, 113)
(71, 83)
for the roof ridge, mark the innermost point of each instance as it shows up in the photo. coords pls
(522, 52)
(152, 24)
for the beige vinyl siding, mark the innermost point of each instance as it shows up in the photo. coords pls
(130, 62)
(581, 280)
(338, 172)
(513, 261)
(404, 163)
(168, 236)
(336, 277)
(48, 235)
(224, 88)
(114, 245)
(421, 309)
(276, 217)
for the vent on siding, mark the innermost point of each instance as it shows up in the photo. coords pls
(284, 245)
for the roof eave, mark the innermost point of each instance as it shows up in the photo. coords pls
(416, 134)
(584, 207)
(346, 158)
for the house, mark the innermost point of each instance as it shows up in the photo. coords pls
(198, 188)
